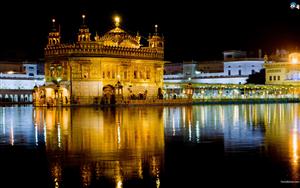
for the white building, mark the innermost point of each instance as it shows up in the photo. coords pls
(25, 80)
(17, 81)
(234, 69)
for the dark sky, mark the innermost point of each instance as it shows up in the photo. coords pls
(197, 29)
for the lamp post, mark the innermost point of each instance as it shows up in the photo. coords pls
(119, 92)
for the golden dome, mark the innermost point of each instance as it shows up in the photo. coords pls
(117, 37)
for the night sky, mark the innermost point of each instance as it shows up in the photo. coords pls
(198, 30)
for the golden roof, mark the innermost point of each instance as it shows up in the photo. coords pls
(117, 37)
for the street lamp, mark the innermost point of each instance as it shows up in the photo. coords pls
(119, 88)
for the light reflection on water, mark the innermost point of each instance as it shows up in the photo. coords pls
(271, 130)
(123, 147)
(110, 143)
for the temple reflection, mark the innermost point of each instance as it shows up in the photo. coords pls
(109, 145)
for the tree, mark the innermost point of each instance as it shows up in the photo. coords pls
(257, 78)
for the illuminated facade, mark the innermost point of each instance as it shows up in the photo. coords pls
(284, 71)
(108, 69)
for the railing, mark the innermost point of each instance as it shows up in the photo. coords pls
(172, 100)
(157, 101)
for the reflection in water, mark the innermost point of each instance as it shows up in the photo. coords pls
(272, 129)
(16, 126)
(116, 144)
(121, 147)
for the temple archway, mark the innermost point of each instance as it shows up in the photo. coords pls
(108, 95)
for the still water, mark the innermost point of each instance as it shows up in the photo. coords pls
(185, 146)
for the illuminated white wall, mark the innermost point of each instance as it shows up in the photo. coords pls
(224, 80)
(245, 67)
(25, 81)
(235, 72)
(19, 83)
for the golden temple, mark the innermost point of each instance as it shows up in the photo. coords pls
(111, 68)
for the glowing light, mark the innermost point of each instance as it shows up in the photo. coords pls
(12, 137)
(294, 5)
(3, 120)
(117, 21)
(190, 131)
(173, 126)
(83, 16)
(36, 134)
(294, 60)
(58, 135)
(157, 183)
(119, 183)
(53, 20)
(10, 72)
(45, 132)
(197, 132)
(295, 145)
(156, 26)
(119, 134)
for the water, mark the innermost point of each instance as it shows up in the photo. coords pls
(185, 146)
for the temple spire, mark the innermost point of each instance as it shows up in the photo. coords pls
(54, 34)
(84, 34)
(156, 41)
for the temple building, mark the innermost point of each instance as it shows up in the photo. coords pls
(110, 68)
